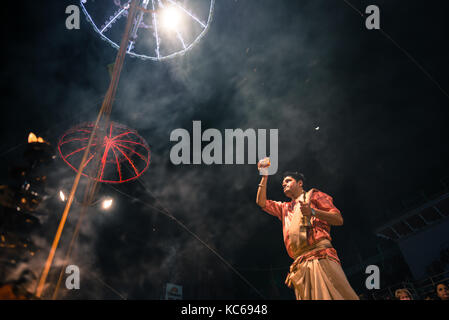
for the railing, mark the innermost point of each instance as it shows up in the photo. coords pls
(419, 289)
(427, 286)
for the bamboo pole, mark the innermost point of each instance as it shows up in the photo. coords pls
(104, 111)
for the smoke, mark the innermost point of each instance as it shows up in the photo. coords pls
(248, 72)
(262, 65)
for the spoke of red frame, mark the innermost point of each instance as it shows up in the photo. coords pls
(122, 134)
(121, 145)
(84, 130)
(110, 131)
(74, 139)
(89, 159)
(129, 160)
(77, 151)
(118, 164)
(133, 142)
(103, 160)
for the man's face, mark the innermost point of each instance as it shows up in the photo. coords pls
(443, 292)
(290, 186)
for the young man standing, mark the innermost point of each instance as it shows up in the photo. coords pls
(316, 273)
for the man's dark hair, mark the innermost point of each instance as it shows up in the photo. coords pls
(295, 175)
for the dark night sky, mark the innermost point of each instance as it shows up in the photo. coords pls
(290, 65)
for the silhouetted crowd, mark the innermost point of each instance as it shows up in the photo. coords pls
(440, 292)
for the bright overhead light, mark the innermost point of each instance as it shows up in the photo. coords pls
(106, 204)
(61, 195)
(171, 18)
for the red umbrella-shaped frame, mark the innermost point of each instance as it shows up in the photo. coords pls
(123, 154)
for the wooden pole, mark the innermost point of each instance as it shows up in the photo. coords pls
(104, 111)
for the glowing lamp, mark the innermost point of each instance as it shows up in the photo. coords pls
(107, 203)
(171, 18)
(62, 196)
(33, 139)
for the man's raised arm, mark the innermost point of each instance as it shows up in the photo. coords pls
(262, 190)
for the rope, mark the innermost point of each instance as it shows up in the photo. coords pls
(164, 211)
(386, 35)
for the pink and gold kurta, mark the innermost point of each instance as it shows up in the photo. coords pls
(316, 273)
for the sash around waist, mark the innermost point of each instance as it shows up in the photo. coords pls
(322, 244)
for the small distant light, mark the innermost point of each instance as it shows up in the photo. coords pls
(317, 128)
(107, 204)
(62, 195)
(32, 138)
